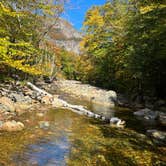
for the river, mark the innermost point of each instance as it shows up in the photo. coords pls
(63, 138)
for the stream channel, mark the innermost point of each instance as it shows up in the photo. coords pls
(62, 138)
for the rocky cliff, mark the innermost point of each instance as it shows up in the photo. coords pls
(62, 34)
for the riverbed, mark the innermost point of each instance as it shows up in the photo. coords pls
(60, 137)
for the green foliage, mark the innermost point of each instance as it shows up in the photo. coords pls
(21, 30)
(125, 41)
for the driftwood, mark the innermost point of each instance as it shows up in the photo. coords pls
(38, 89)
(79, 109)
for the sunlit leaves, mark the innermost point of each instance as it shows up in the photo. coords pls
(21, 30)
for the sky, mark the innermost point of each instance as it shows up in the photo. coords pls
(75, 11)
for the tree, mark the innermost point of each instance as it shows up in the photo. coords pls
(21, 30)
(125, 41)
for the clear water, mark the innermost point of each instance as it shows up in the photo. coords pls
(75, 140)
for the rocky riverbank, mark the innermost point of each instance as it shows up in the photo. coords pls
(15, 100)
(85, 92)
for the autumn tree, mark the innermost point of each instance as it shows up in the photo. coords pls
(21, 30)
(125, 41)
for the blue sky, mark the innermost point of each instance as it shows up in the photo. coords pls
(75, 11)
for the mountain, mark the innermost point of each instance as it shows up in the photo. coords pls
(62, 34)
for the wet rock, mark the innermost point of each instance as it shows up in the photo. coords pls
(12, 126)
(116, 122)
(7, 104)
(158, 136)
(146, 113)
(162, 118)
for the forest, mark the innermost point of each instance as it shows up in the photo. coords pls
(123, 47)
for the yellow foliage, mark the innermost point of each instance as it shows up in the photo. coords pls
(94, 18)
(149, 8)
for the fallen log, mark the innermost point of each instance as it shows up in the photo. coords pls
(38, 89)
(78, 108)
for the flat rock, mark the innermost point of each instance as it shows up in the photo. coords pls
(87, 92)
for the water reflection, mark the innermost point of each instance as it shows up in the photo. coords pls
(46, 152)
(102, 110)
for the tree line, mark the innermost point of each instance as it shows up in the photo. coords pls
(123, 46)
(124, 42)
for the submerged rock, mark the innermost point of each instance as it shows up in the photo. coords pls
(147, 114)
(158, 136)
(12, 126)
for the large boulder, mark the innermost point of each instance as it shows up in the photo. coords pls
(8, 104)
(12, 126)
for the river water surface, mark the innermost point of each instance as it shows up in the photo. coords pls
(61, 137)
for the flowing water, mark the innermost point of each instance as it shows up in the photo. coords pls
(61, 137)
